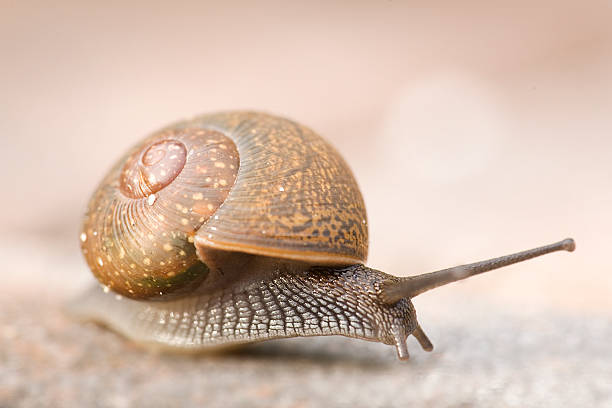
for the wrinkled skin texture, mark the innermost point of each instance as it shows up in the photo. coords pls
(317, 301)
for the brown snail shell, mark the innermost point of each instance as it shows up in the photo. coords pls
(239, 182)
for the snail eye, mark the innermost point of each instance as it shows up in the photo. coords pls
(153, 168)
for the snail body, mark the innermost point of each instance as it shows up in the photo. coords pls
(238, 227)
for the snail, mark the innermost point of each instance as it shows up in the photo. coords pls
(239, 227)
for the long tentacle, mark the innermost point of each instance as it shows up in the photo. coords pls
(394, 290)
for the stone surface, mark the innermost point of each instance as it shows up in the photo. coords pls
(486, 355)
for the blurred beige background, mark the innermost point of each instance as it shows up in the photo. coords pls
(475, 129)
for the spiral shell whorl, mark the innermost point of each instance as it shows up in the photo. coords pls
(138, 231)
(156, 167)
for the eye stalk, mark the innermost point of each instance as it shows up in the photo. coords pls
(409, 287)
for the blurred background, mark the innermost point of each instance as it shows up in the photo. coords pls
(474, 129)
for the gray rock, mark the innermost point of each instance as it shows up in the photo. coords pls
(499, 359)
